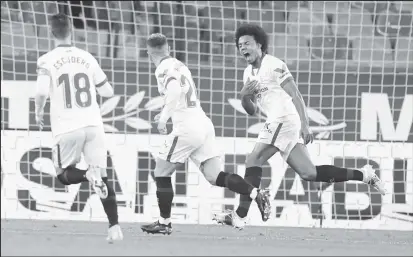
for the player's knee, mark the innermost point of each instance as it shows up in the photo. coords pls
(211, 169)
(222, 179)
(212, 179)
(159, 172)
(163, 168)
(63, 179)
(309, 175)
(253, 160)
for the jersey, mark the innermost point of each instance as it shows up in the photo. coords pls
(188, 107)
(272, 76)
(74, 76)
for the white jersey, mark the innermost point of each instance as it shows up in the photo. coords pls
(74, 76)
(189, 107)
(272, 76)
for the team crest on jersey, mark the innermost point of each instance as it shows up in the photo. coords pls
(279, 70)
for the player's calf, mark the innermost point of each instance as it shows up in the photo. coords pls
(253, 176)
(110, 204)
(72, 175)
(165, 195)
(253, 173)
(300, 161)
(237, 184)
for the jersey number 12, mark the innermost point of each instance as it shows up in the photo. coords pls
(80, 82)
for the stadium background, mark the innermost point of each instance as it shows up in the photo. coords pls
(353, 62)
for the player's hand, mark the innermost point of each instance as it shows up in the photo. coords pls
(250, 87)
(157, 117)
(162, 128)
(39, 120)
(306, 134)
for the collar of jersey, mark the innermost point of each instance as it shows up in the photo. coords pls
(64, 45)
(258, 69)
(166, 57)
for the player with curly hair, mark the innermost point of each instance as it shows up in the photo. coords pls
(269, 83)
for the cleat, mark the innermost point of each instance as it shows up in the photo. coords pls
(157, 228)
(114, 234)
(264, 203)
(230, 218)
(370, 178)
(97, 183)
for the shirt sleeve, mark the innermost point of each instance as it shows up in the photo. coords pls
(172, 95)
(171, 74)
(43, 78)
(99, 76)
(282, 73)
(166, 76)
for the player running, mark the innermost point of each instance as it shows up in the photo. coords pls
(71, 77)
(193, 136)
(268, 81)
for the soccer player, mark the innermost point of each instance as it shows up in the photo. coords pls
(193, 136)
(268, 81)
(71, 77)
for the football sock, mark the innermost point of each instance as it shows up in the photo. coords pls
(329, 173)
(110, 205)
(164, 221)
(235, 183)
(72, 175)
(253, 176)
(165, 195)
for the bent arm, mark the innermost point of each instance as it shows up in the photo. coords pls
(172, 96)
(42, 89)
(291, 88)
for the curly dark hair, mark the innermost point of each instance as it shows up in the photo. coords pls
(255, 31)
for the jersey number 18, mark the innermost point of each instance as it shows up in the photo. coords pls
(81, 84)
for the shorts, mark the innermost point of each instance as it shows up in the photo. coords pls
(69, 148)
(283, 135)
(197, 143)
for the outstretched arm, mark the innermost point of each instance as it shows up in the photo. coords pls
(42, 92)
(291, 88)
(101, 82)
(173, 93)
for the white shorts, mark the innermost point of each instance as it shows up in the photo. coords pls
(69, 148)
(283, 135)
(197, 143)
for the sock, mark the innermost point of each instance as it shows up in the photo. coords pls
(253, 176)
(72, 175)
(110, 205)
(330, 173)
(254, 193)
(165, 195)
(164, 221)
(234, 182)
